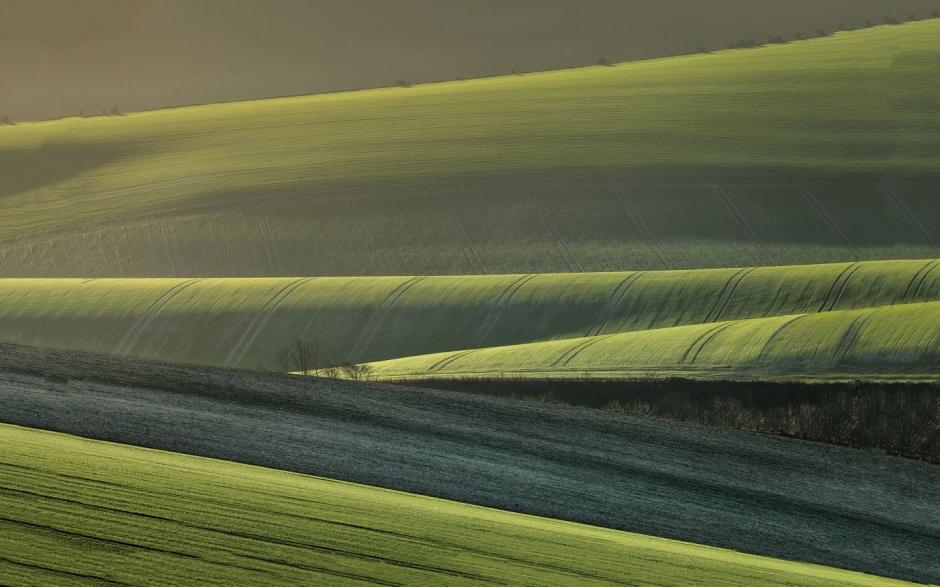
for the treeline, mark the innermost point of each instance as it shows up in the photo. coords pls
(799, 36)
(901, 419)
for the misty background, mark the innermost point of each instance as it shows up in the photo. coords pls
(60, 57)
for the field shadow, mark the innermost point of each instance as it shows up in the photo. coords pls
(23, 170)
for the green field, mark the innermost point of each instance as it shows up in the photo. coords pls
(249, 322)
(893, 342)
(76, 512)
(822, 150)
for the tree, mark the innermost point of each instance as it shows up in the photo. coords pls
(5, 119)
(302, 358)
(935, 13)
(114, 111)
(798, 36)
(603, 61)
(358, 372)
(821, 33)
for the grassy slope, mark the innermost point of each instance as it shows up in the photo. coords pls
(75, 511)
(891, 342)
(248, 322)
(819, 150)
(859, 510)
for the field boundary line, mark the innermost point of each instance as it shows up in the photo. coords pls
(738, 218)
(845, 282)
(614, 301)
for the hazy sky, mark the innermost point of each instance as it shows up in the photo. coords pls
(61, 56)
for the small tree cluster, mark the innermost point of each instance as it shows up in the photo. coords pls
(303, 358)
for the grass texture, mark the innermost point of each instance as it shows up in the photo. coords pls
(813, 151)
(891, 342)
(249, 322)
(78, 512)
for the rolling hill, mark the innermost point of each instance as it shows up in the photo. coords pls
(891, 342)
(250, 322)
(765, 495)
(815, 151)
(101, 512)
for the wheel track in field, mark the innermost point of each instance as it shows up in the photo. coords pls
(907, 214)
(765, 350)
(838, 287)
(738, 218)
(134, 333)
(614, 301)
(917, 281)
(727, 293)
(466, 242)
(498, 308)
(261, 319)
(635, 218)
(440, 365)
(569, 355)
(848, 340)
(828, 219)
(692, 353)
(556, 235)
(366, 235)
(379, 316)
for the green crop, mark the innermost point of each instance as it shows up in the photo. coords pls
(250, 322)
(78, 512)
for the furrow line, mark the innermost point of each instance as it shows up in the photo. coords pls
(916, 291)
(283, 295)
(762, 356)
(738, 278)
(499, 307)
(909, 216)
(695, 348)
(816, 205)
(140, 325)
(845, 283)
(439, 366)
(637, 220)
(378, 317)
(835, 284)
(614, 301)
(555, 233)
(464, 236)
(577, 349)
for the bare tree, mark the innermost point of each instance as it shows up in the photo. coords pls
(359, 372)
(5, 119)
(302, 358)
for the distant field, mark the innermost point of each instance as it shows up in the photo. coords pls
(249, 322)
(76, 511)
(891, 342)
(816, 151)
